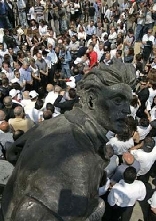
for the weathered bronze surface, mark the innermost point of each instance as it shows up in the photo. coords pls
(59, 169)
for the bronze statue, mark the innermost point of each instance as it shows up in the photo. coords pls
(58, 172)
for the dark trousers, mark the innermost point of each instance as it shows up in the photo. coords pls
(151, 215)
(116, 213)
(51, 73)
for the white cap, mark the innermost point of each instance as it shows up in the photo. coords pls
(154, 7)
(13, 93)
(33, 94)
(77, 61)
(40, 51)
(154, 66)
(20, 31)
(152, 200)
(71, 82)
(60, 41)
(14, 80)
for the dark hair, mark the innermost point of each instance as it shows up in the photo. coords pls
(72, 93)
(130, 30)
(154, 86)
(17, 134)
(38, 104)
(138, 57)
(144, 122)
(130, 175)
(119, 52)
(50, 107)
(131, 51)
(47, 114)
(134, 101)
(149, 143)
(5, 81)
(131, 123)
(125, 135)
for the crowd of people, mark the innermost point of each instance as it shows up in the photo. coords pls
(46, 46)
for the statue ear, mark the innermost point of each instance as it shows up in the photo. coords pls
(91, 101)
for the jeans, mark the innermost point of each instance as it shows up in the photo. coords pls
(23, 19)
(66, 71)
(4, 22)
(139, 32)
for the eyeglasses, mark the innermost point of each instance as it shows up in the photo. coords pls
(144, 84)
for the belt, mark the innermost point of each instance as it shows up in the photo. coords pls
(21, 10)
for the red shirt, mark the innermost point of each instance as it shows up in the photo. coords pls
(93, 59)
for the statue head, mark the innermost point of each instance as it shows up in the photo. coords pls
(105, 94)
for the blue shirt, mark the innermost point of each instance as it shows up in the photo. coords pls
(3, 8)
(90, 30)
(25, 75)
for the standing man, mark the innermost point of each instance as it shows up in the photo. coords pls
(140, 22)
(124, 195)
(65, 58)
(93, 57)
(4, 21)
(53, 61)
(21, 4)
(43, 69)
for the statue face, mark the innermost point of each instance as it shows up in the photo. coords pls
(113, 105)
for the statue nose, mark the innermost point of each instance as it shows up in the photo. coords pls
(126, 108)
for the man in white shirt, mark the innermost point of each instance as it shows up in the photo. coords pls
(148, 41)
(124, 195)
(152, 208)
(146, 156)
(7, 71)
(51, 96)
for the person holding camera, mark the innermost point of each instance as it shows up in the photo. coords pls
(65, 58)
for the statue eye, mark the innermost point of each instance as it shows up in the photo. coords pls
(117, 100)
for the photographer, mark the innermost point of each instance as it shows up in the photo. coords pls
(65, 58)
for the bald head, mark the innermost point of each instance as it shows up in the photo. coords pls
(2, 115)
(18, 111)
(4, 126)
(128, 158)
(7, 101)
(57, 89)
(50, 87)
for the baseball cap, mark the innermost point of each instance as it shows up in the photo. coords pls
(13, 92)
(33, 94)
(71, 82)
(77, 61)
(152, 200)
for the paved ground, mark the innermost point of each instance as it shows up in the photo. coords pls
(140, 210)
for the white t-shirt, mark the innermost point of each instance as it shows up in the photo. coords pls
(145, 159)
(143, 131)
(124, 194)
(119, 146)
